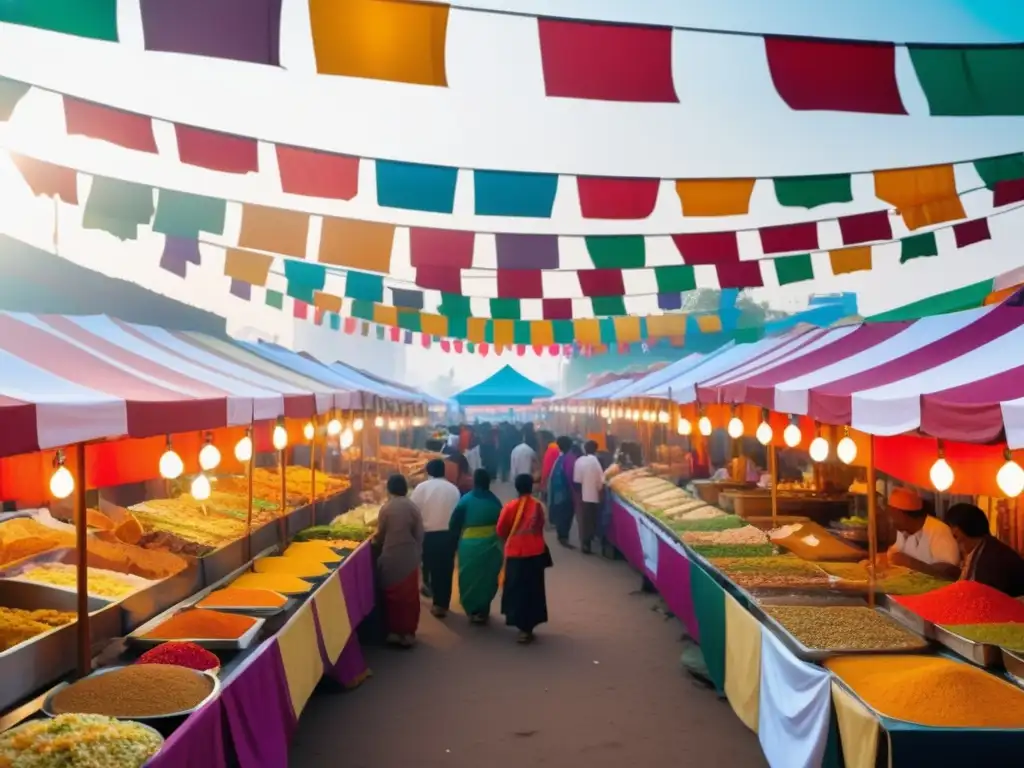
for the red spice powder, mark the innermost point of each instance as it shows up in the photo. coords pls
(964, 602)
(181, 655)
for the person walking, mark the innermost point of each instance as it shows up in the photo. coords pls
(560, 501)
(436, 499)
(474, 527)
(589, 474)
(398, 543)
(521, 526)
(523, 460)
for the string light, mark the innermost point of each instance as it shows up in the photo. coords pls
(309, 431)
(347, 438)
(604, 413)
(792, 436)
(941, 473)
(209, 455)
(684, 427)
(1010, 477)
(333, 428)
(357, 425)
(735, 428)
(818, 449)
(280, 438)
(62, 482)
(243, 449)
(171, 466)
(378, 422)
(764, 433)
(846, 450)
(200, 488)
(663, 417)
(704, 426)
(393, 425)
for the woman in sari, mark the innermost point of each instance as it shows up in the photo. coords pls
(559, 492)
(521, 525)
(399, 542)
(474, 524)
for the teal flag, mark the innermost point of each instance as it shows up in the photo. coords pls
(812, 191)
(965, 81)
(118, 207)
(1003, 168)
(454, 305)
(96, 19)
(918, 246)
(506, 309)
(608, 306)
(507, 193)
(617, 251)
(364, 286)
(182, 214)
(274, 299)
(416, 187)
(794, 269)
(11, 92)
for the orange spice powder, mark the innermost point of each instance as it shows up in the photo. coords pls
(237, 597)
(201, 624)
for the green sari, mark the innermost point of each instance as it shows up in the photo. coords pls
(481, 553)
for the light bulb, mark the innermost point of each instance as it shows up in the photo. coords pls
(333, 428)
(393, 425)
(704, 426)
(62, 483)
(941, 475)
(280, 438)
(684, 427)
(209, 457)
(604, 413)
(309, 430)
(1010, 479)
(347, 438)
(846, 450)
(764, 433)
(791, 436)
(417, 422)
(735, 428)
(171, 465)
(243, 449)
(357, 425)
(818, 449)
(200, 488)
(378, 422)
(663, 417)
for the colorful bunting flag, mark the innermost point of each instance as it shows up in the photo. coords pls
(240, 30)
(786, 238)
(183, 214)
(11, 93)
(918, 246)
(414, 186)
(118, 207)
(364, 286)
(970, 81)
(865, 227)
(274, 299)
(274, 230)
(557, 309)
(178, 253)
(47, 179)
(715, 197)
(617, 198)
(508, 193)
(317, 174)
(811, 191)
(616, 251)
(993, 170)
(923, 196)
(849, 260)
(794, 269)
(970, 232)
(708, 247)
(94, 19)
(520, 284)
(216, 151)
(247, 266)
(608, 306)
(303, 279)
(95, 121)
(241, 289)
(364, 245)
(441, 248)
(601, 282)
(523, 251)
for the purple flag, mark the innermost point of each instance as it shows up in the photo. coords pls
(516, 251)
(241, 30)
(241, 289)
(179, 252)
(669, 301)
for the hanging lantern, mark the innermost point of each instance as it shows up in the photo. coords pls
(309, 431)
(1010, 477)
(764, 433)
(200, 488)
(819, 449)
(704, 426)
(357, 425)
(62, 482)
(209, 455)
(280, 437)
(347, 438)
(604, 413)
(333, 429)
(663, 417)
(243, 449)
(846, 450)
(171, 466)
(792, 436)
(941, 473)
(735, 428)
(378, 422)
(684, 427)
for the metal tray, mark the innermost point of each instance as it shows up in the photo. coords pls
(260, 611)
(1014, 663)
(910, 620)
(47, 707)
(800, 650)
(982, 654)
(136, 638)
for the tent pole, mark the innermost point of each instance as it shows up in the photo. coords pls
(82, 571)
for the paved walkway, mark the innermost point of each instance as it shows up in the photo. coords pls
(601, 687)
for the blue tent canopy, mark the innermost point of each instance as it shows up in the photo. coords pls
(506, 387)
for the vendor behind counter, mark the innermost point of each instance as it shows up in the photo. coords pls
(986, 559)
(923, 543)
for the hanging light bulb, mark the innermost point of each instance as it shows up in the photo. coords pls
(846, 450)
(663, 417)
(818, 449)
(171, 466)
(792, 436)
(243, 449)
(735, 428)
(1009, 478)
(62, 482)
(357, 425)
(378, 422)
(333, 428)
(209, 455)
(200, 488)
(309, 431)
(684, 427)
(764, 433)
(604, 413)
(280, 438)
(393, 425)
(417, 422)
(347, 438)
(941, 475)
(704, 426)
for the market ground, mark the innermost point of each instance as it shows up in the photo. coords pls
(602, 686)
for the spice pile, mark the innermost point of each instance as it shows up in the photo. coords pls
(733, 550)
(78, 741)
(777, 571)
(17, 625)
(281, 583)
(141, 690)
(846, 627)
(235, 597)
(1009, 636)
(201, 624)
(932, 690)
(317, 551)
(723, 523)
(302, 567)
(179, 654)
(746, 535)
(965, 602)
(101, 583)
(894, 580)
(811, 541)
(349, 532)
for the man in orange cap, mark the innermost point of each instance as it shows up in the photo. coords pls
(923, 542)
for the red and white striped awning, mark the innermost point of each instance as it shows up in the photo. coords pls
(65, 380)
(956, 377)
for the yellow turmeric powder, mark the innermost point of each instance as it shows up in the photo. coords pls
(932, 690)
(282, 583)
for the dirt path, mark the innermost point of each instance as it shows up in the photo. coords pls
(601, 687)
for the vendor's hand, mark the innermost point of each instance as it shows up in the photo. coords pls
(898, 558)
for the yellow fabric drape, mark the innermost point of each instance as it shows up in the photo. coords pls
(542, 333)
(858, 729)
(247, 266)
(300, 653)
(476, 329)
(848, 260)
(715, 197)
(331, 610)
(742, 662)
(588, 331)
(923, 196)
(627, 329)
(385, 315)
(433, 325)
(328, 302)
(709, 323)
(274, 230)
(362, 245)
(504, 333)
(380, 40)
(666, 325)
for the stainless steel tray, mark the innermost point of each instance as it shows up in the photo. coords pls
(982, 654)
(1014, 663)
(136, 638)
(251, 610)
(47, 707)
(911, 620)
(820, 654)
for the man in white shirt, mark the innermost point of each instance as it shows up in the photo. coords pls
(436, 499)
(523, 460)
(588, 474)
(923, 543)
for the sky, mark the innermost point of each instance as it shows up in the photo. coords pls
(730, 122)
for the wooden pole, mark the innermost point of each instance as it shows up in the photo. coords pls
(248, 514)
(283, 520)
(872, 521)
(312, 474)
(82, 545)
(773, 474)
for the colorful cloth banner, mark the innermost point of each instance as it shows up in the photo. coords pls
(616, 251)
(812, 191)
(507, 193)
(317, 174)
(240, 30)
(11, 93)
(364, 245)
(923, 196)
(182, 214)
(217, 151)
(247, 266)
(414, 186)
(126, 129)
(118, 207)
(274, 230)
(970, 81)
(95, 19)
(522, 251)
(47, 179)
(441, 248)
(178, 253)
(620, 198)
(715, 197)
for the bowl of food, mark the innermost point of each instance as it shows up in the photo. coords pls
(79, 740)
